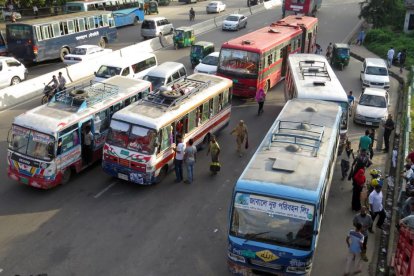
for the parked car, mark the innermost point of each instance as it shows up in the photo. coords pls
(372, 107)
(374, 73)
(156, 26)
(11, 71)
(215, 6)
(208, 64)
(6, 14)
(234, 22)
(85, 52)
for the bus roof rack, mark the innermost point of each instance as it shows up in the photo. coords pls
(298, 134)
(312, 68)
(182, 90)
(84, 95)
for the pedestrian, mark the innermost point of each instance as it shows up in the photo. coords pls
(362, 161)
(361, 37)
(13, 17)
(190, 154)
(214, 150)
(260, 99)
(35, 11)
(329, 50)
(178, 159)
(87, 145)
(371, 146)
(366, 222)
(355, 242)
(390, 56)
(402, 59)
(358, 182)
(388, 128)
(62, 82)
(241, 136)
(351, 101)
(365, 141)
(376, 207)
(318, 50)
(346, 159)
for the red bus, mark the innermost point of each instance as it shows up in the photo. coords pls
(306, 7)
(258, 59)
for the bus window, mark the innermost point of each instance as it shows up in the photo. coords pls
(71, 27)
(215, 105)
(64, 28)
(81, 24)
(115, 108)
(56, 30)
(205, 112)
(68, 142)
(105, 20)
(38, 33)
(91, 23)
(45, 31)
(192, 120)
(225, 97)
(125, 72)
(166, 137)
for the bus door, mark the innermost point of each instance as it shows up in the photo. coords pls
(309, 42)
(285, 54)
(87, 150)
(3, 45)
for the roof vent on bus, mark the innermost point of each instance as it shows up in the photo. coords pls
(281, 164)
(303, 126)
(274, 31)
(247, 42)
(311, 109)
(293, 148)
(313, 70)
(309, 61)
(319, 83)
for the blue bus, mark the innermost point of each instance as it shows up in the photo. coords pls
(125, 12)
(54, 37)
(279, 200)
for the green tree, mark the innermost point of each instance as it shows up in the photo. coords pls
(383, 13)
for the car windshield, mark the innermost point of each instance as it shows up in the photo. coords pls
(232, 18)
(79, 51)
(136, 138)
(210, 60)
(276, 221)
(373, 100)
(343, 51)
(157, 82)
(108, 71)
(378, 71)
(148, 24)
(32, 143)
(239, 62)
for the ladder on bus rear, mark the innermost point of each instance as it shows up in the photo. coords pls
(314, 68)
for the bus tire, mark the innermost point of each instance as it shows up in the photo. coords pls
(136, 19)
(78, 93)
(15, 80)
(63, 53)
(205, 142)
(266, 87)
(162, 174)
(102, 42)
(66, 176)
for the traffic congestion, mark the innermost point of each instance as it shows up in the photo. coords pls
(152, 139)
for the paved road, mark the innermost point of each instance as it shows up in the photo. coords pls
(100, 226)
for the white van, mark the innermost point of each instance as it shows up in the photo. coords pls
(156, 26)
(135, 67)
(165, 74)
(374, 74)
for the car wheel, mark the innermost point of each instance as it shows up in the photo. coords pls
(245, 25)
(15, 80)
(102, 43)
(63, 53)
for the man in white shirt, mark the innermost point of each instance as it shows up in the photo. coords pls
(390, 56)
(376, 207)
(62, 82)
(178, 159)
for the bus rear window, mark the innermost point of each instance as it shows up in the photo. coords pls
(18, 32)
(148, 24)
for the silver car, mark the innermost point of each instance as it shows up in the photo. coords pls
(215, 6)
(234, 22)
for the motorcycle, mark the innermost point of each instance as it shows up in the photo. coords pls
(49, 91)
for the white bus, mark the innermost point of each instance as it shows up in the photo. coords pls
(310, 76)
(46, 144)
(140, 142)
(279, 200)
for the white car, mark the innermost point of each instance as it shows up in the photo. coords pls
(234, 22)
(215, 6)
(208, 65)
(374, 73)
(11, 71)
(372, 107)
(85, 52)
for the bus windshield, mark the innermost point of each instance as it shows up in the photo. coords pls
(136, 138)
(239, 62)
(108, 71)
(16, 32)
(32, 143)
(270, 220)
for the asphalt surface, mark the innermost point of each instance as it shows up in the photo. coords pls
(97, 225)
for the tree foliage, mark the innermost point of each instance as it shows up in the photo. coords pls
(382, 13)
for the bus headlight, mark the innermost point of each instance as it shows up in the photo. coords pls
(236, 258)
(150, 167)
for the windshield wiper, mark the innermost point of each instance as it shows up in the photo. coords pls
(250, 236)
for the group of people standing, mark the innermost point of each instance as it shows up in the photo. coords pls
(399, 58)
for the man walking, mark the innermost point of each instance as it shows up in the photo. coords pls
(375, 203)
(178, 159)
(329, 51)
(354, 240)
(388, 128)
(402, 58)
(365, 141)
(62, 82)
(241, 134)
(390, 56)
(366, 222)
(190, 159)
(35, 11)
(260, 98)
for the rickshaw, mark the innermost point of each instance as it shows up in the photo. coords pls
(164, 2)
(340, 55)
(150, 7)
(199, 50)
(183, 37)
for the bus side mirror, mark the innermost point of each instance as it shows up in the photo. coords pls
(316, 232)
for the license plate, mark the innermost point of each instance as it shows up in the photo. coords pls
(369, 124)
(123, 176)
(24, 180)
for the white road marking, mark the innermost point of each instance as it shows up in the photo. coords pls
(104, 190)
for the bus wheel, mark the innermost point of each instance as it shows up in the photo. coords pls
(66, 176)
(205, 142)
(266, 87)
(102, 42)
(63, 53)
(135, 21)
(162, 174)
